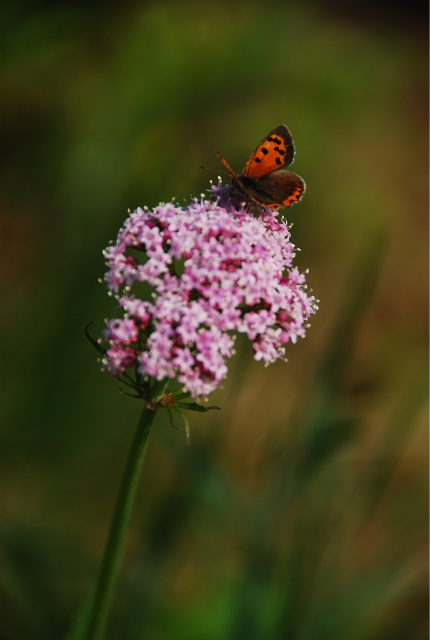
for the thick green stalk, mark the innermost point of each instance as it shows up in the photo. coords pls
(118, 529)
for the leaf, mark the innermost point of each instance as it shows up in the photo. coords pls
(180, 395)
(193, 406)
(158, 389)
(94, 342)
(169, 415)
(186, 424)
(130, 395)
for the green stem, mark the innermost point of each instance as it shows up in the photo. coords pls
(118, 529)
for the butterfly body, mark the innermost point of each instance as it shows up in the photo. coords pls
(262, 177)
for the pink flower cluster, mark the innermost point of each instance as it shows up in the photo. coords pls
(205, 272)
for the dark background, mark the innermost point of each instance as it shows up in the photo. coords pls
(300, 511)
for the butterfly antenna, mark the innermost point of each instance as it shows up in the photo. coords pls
(224, 173)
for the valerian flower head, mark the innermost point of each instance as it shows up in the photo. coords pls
(212, 270)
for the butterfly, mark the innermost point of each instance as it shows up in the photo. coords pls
(261, 178)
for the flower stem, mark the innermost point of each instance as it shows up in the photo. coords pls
(118, 529)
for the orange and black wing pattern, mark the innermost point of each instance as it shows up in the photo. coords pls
(274, 152)
(262, 178)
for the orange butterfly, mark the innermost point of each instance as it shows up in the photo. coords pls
(261, 179)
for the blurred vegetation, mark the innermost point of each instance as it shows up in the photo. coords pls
(300, 511)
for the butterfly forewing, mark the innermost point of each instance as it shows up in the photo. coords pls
(274, 152)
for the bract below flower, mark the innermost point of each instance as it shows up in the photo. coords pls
(213, 270)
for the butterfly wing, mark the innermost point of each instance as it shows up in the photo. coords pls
(277, 189)
(261, 179)
(274, 152)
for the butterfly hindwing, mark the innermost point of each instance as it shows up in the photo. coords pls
(274, 152)
(277, 189)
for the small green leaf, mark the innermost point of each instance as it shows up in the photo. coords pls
(94, 342)
(169, 415)
(158, 388)
(186, 424)
(180, 395)
(193, 406)
(130, 395)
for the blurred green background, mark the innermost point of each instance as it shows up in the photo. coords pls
(300, 511)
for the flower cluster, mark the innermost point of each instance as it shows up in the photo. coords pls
(189, 278)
